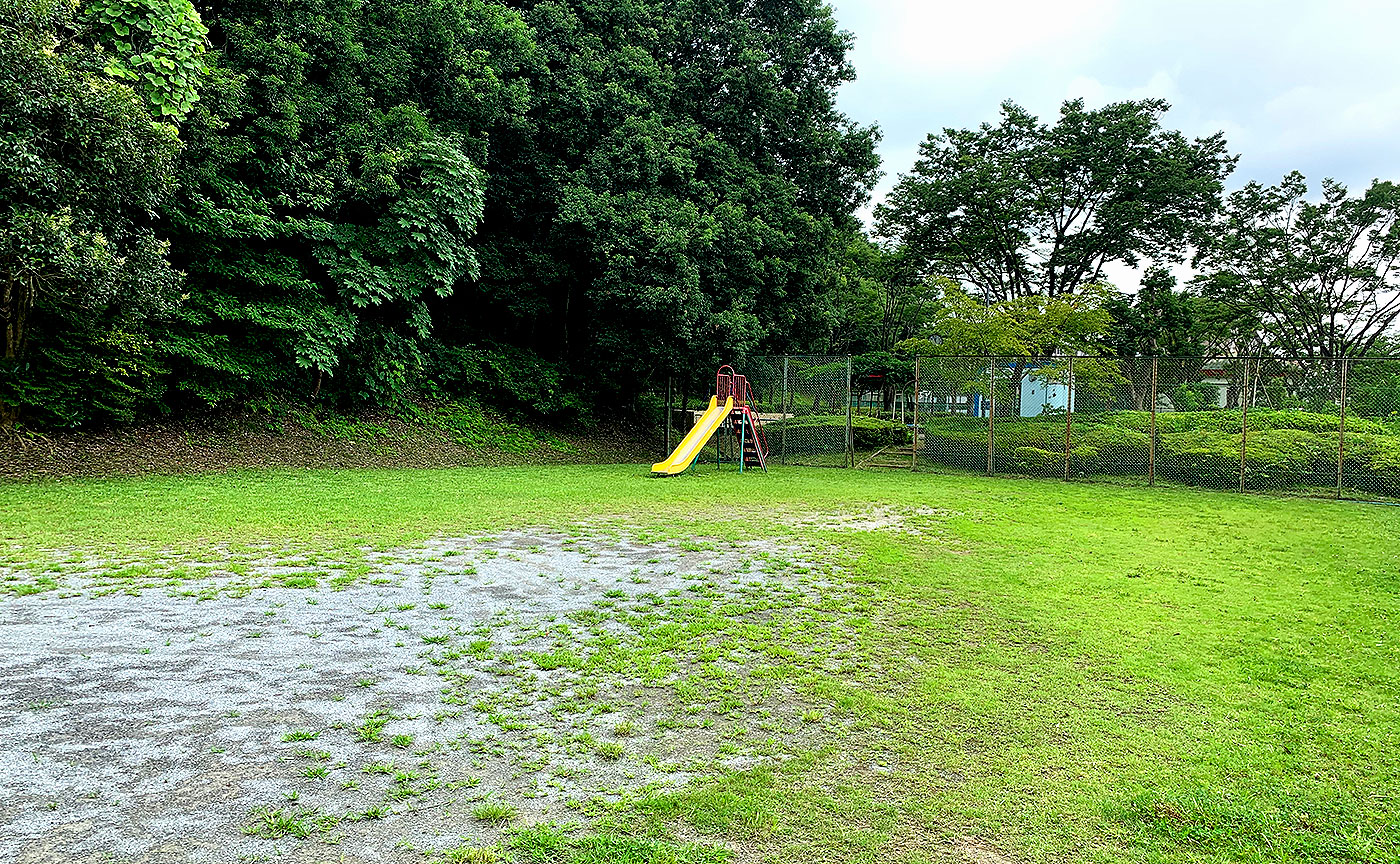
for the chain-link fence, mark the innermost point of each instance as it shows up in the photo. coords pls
(806, 410)
(1298, 426)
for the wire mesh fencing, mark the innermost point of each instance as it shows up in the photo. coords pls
(952, 417)
(1296, 426)
(806, 413)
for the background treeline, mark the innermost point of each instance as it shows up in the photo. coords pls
(238, 203)
(556, 205)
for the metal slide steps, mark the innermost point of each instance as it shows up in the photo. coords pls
(895, 456)
(755, 446)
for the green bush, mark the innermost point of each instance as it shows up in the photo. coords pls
(1043, 434)
(1202, 457)
(1035, 461)
(1285, 447)
(867, 433)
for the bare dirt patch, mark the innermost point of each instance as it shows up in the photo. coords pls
(447, 692)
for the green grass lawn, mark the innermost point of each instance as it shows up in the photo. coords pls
(1031, 670)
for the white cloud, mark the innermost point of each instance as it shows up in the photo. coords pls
(1096, 93)
(986, 35)
(1307, 84)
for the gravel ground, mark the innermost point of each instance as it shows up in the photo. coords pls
(520, 670)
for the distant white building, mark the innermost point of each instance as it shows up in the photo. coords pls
(1039, 395)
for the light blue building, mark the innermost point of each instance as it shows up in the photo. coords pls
(1039, 395)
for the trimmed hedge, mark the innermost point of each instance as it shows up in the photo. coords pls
(1285, 448)
(867, 433)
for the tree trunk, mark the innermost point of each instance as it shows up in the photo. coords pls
(15, 297)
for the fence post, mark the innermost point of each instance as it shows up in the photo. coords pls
(991, 416)
(668, 416)
(850, 444)
(782, 435)
(1342, 430)
(1069, 411)
(1152, 437)
(914, 449)
(1244, 422)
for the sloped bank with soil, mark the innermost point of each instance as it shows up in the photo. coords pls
(424, 436)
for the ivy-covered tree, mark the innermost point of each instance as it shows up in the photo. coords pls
(330, 188)
(81, 267)
(156, 45)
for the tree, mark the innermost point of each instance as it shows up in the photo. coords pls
(156, 45)
(1157, 321)
(1022, 208)
(82, 169)
(331, 188)
(1030, 326)
(878, 300)
(681, 189)
(1320, 278)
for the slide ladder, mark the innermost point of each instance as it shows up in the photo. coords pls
(753, 442)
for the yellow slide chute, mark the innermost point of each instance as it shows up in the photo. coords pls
(704, 429)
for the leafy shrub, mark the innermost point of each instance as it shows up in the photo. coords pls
(1045, 433)
(467, 424)
(157, 46)
(1287, 447)
(509, 378)
(1035, 461)
(867, 433)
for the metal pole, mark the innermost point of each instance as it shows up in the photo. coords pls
(1342, 430)
(782, 435)
(668, 414)
(991, 416)
(1244, 421)
(850, 443)
(914, 450)
(1152, 439)
(1069, 412)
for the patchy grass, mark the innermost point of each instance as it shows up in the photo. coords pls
(494, 813)
(1015, 670)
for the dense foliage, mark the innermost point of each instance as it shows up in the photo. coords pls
(331, 187)
(1024, 208)
(676, 191)
(1318, 279)
(549, 204)
(82, 268)
(377, 199)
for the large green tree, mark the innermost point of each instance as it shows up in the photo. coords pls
(377, 196)
(330, 189)
(877, 299)
(82, 167)
(1031, 326)
(682, 188)
(1022, 207)
(1158, 320)
(1316, 278)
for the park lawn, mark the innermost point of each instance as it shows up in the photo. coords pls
(1031, 670)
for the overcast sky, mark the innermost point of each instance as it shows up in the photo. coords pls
(1302, 84)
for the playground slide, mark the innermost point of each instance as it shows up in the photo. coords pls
(704, 429)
